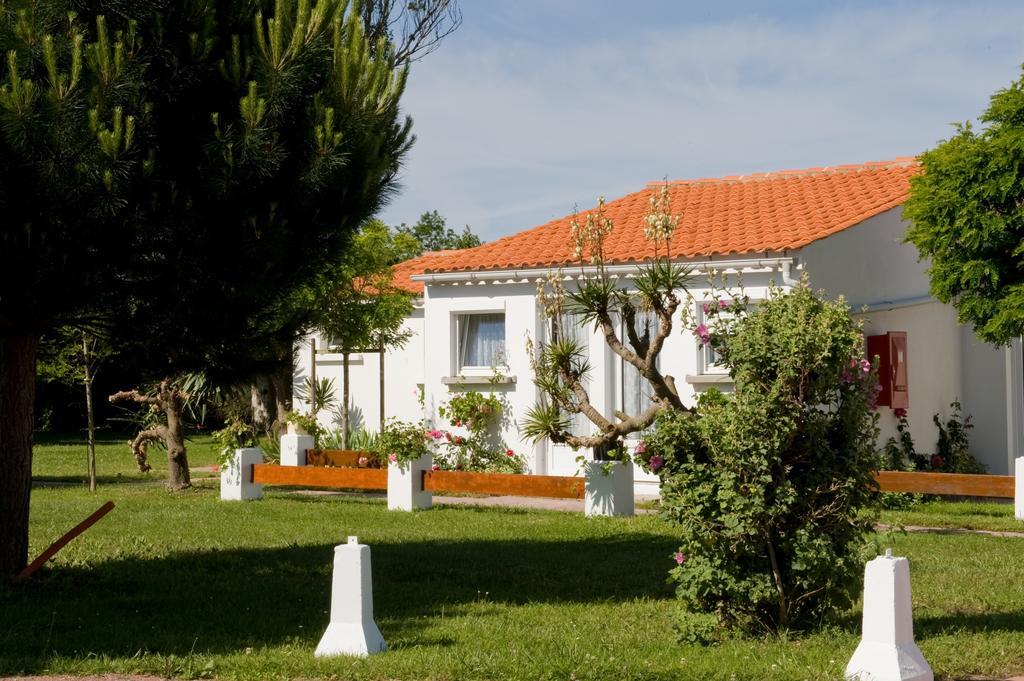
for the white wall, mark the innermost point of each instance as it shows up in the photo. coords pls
(403, 374)
(870, 265)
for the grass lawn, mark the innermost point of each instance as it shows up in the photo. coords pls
(957, 514)
(63, 457)
(189, 586)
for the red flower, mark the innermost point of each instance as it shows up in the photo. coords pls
(435, 467)
(900, 412)
(509, 453)
(937, 461)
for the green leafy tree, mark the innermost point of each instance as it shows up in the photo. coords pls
(432, 234)
(360, 308)
(177, 171)
(769, 486)
(967, 214)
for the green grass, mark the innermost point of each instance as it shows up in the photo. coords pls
(62, 457)
(970, 515)
(190, 586)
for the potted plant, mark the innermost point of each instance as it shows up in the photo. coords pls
(406, 447)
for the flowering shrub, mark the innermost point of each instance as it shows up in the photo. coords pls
(402, 442)
(767, 485)
(481, 448)
(234, 435)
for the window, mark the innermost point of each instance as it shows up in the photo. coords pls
(636, 391)
(572, 327)
(481, 340)
(710, 362)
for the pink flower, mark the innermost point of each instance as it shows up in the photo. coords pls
(865, 366)
(900, 412)
(706, 308)
(701, 332)
(722, 304)
(640, 447)
(509, 453)
(362, 461)
(392, 457)
(435, 434)
(435, 467)
(655, 463)
(679, 557)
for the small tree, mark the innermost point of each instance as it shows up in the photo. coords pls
(560, 366)
(768, 485)
(967, 214)
(360, 308)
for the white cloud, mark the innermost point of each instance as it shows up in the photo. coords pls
(513, 132)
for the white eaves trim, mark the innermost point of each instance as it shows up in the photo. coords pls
(625, 270)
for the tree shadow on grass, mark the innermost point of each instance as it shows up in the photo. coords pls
(228, 600)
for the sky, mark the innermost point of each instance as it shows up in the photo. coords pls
(535, 107)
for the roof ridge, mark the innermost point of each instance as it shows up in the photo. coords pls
(898, 162)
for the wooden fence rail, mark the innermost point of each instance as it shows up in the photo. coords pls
(566, 487)
(953, 484)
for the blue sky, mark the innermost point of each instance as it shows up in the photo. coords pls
(533, 107)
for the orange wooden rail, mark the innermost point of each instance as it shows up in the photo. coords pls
(996, 486)
(502, 484)
(316, 476)
(56, 546)
(335, 457)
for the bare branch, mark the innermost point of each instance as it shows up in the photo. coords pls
(140, 445)
(133, 396)
(415, 28)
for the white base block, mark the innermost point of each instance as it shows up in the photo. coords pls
(887, 651)
(293, 449)
(405, 485)
(359, 640)
(608, 494)
(876, 661)
(352, 630)
(1018, 488)
(236, 477)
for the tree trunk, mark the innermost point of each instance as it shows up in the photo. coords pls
(90, 420)
(17, 398)
(281, 382)
(261, 399)
(344, 400)
(178, 477)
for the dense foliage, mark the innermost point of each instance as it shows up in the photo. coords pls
(768, 485)
(476, 443)
(967, 209)
(430, 233)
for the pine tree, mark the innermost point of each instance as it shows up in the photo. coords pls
(174, 171)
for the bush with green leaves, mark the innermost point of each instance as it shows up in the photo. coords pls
(482, 447)
(770, 485)
(234, 435)
(402, 442)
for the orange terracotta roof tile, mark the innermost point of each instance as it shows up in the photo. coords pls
(764, 212)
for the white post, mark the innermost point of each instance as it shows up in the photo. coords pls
(293, 449)
(236, 477)
(352, 630)
(1018, 488)
(608, 493)
(887, 651)
(405, 485)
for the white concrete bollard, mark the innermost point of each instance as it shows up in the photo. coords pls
(293, 449)
(610, 493)
(887, 651)
(1018, 488)
(352, 630)
(236, 477)
(405, 485)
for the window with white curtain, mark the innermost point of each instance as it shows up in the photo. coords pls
(481, 340)
(636, 394)
(572, 327)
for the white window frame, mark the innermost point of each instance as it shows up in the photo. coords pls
(705, 364)
(460, 330)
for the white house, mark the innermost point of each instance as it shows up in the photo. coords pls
(841, 225)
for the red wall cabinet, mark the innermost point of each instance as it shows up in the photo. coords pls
(891, 349)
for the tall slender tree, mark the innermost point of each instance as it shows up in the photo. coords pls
(177, 170)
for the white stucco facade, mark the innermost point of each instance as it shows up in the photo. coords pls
(867, 263)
